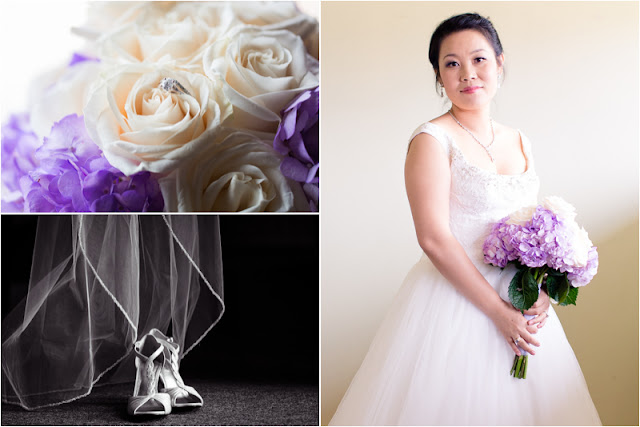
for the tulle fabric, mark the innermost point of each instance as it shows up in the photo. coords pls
(97, 285)
(438, 360)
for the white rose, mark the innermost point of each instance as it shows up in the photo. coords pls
(66, 94)
(560, 207)
(240, 174)
(142, 127)
(178, 35)
(102, 16)
(263, 71)
(521, 216)
(280, 15)
(580, 244)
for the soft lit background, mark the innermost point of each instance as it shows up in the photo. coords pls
(571, 86)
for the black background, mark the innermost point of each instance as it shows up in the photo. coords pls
(269, 331)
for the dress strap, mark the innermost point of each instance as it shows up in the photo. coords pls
(435, 131)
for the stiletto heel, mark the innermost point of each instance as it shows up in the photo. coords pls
(146, 399)
(181, 394)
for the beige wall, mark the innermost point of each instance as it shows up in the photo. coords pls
(571, 86)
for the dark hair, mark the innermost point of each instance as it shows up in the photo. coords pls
(466, 21)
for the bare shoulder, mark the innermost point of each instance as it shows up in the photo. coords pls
(423, 143)
(430, 141)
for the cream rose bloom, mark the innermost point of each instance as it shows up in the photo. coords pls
(170, 33)
(141, 127)
(240, 174)
(522, 216)
(279, 15)
(560, 207)
(103, 16)
(263, 72)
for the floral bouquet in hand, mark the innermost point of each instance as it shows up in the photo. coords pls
(174, 106)
(550, 252)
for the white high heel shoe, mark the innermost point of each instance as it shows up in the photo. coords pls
(181, 394)
(146, 399)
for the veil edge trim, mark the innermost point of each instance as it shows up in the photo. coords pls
(215, 294)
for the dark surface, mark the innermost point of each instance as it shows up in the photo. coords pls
(225, 403)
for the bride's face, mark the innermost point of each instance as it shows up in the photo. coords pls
(469, 69)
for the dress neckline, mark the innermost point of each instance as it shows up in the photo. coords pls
(525, 152)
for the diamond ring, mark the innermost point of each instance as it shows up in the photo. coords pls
(172, 85)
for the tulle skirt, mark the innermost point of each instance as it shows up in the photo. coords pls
(438, 360)
(97, 285)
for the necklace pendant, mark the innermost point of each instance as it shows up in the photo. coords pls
(491, 157)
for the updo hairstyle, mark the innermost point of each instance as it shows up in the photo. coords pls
(466, 21)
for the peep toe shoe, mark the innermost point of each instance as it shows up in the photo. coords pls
(181, 394)
(146, 399)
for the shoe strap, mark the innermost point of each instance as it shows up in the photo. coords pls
(150, 358)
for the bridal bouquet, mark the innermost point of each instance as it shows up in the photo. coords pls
(549, 251)
(175, 106)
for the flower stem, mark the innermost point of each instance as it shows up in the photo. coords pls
(526, 363)
(517, 375)
(540, 275)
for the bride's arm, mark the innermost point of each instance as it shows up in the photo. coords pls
(428, 180)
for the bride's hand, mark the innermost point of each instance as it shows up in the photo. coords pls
(512, 324)
(540, 309)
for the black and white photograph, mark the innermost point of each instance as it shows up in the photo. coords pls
(160, 320)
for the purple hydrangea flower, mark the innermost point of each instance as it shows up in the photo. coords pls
(544, 240)
(581, 276)
(74, 176)
(298, 139)
(19, 144)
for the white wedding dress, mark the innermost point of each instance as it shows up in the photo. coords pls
(438, 360)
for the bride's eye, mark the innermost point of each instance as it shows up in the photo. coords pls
(451, 64)
(480, 59)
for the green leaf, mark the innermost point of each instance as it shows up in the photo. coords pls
(563, 290)
(572, 295)
(553, 286)
(523, 289)
(555, 273)
(516, 294)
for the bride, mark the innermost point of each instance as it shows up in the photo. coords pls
(443, 353)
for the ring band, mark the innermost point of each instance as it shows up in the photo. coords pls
(515, 341)
(172, 85)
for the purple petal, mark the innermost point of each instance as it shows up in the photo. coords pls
(106, 203)
(37, 201)
(311, 176)
(298, 149)
(312, 191)
(96, 185)
(131, 200)
(292, 168)
(78, 58)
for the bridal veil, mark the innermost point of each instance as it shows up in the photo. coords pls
(98, 284)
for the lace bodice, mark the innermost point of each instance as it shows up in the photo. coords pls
(478, 197)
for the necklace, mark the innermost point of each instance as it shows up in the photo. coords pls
(486, 147)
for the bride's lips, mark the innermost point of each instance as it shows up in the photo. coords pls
(471, 89)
